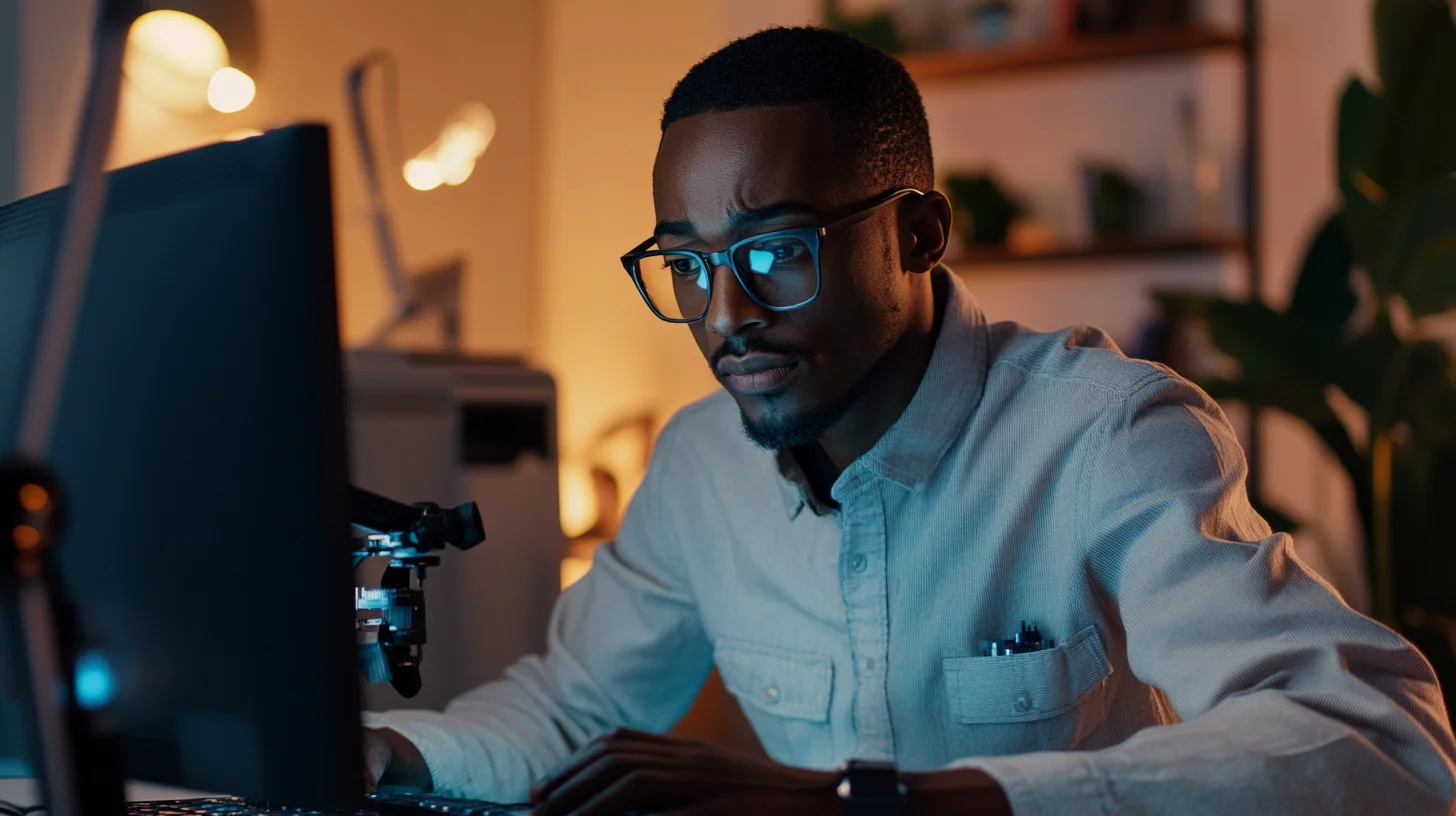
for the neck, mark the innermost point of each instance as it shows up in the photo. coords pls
(889, 386)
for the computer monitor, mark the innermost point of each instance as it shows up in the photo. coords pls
(200, 439)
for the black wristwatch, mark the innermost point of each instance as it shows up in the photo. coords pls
(871, 788)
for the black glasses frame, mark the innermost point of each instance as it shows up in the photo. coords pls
(813, 236)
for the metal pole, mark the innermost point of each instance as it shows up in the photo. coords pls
(70, 256)
(68, 748)
(1253, 240)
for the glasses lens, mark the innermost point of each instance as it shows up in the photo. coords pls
(676, 284)
(778, 269)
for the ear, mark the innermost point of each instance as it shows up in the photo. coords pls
(926, 224)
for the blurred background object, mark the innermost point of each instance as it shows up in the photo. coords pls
(195, 54)
(984, 210)
(450, 159)
(592, 499)
(1351, 355)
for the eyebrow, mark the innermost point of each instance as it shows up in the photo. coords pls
(742, 218)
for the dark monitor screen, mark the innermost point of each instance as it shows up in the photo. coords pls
(200, 440)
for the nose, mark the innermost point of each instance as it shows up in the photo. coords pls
(730, 309)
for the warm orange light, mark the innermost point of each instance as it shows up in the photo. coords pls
(578, 500)
(26, 537)
(451, 159)
(230, 90)
(573, 569)
(34, 498)
(423, 174)
(171, 57)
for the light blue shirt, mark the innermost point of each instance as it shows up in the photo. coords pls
(1198, 665)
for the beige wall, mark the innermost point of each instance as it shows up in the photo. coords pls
(608, 68)
(447, 52)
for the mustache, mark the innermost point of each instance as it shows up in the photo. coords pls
(739, 345)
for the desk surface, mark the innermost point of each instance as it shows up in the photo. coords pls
(25, 792)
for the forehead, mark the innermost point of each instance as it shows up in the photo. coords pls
(713, 164)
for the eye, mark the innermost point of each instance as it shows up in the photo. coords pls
(785, 251)
(682, 265)
(776, 253)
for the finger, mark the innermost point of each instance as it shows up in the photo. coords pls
(590, 782)
(567, 792)
(377, 757)
(621, 741)
(637, 792)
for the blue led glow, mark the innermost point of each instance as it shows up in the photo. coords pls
(95, 682)
(760, 261)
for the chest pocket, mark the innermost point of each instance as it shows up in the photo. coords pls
(785, 695)
(1045, 700)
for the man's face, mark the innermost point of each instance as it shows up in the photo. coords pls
(724, 176)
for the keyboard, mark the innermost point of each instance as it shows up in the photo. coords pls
(378, 804)
(423, 804)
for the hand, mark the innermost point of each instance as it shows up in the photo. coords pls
(391, 759)
(628, 771)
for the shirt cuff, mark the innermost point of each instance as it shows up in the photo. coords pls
(1047, 783)
(444, 757)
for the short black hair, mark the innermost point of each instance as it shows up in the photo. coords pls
(873, 104)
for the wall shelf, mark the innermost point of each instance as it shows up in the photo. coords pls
(1089, 50)
(1147, 247)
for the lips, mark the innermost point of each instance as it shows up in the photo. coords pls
(757, 373)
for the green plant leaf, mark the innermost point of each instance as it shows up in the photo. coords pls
(1415, 47)
(1426, 528)
(1414, 220)
(1269, 346)
(1429, 284)
(1427, 401)
(1355, 173)
(1365, 364)
(1324, 295)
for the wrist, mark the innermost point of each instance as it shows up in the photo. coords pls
(407, 767)
(964, 791)
(872, 788)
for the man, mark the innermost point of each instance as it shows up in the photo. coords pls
(914, 484)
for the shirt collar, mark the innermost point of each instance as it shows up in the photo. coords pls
(914, 446)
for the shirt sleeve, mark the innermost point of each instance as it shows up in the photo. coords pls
(625, 649)
(1291, 702)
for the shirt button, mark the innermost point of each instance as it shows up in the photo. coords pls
(1023, 702)
(858, 563)
(771, 694)
(869, 664)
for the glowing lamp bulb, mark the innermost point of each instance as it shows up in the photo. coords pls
(172, 57)
(230, 90)
(451, 159)
(423, 174)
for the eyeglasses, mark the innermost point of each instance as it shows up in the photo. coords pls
(779, 270)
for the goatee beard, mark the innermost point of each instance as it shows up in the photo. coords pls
(779, 433)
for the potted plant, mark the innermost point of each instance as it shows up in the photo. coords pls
(1378, 271)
